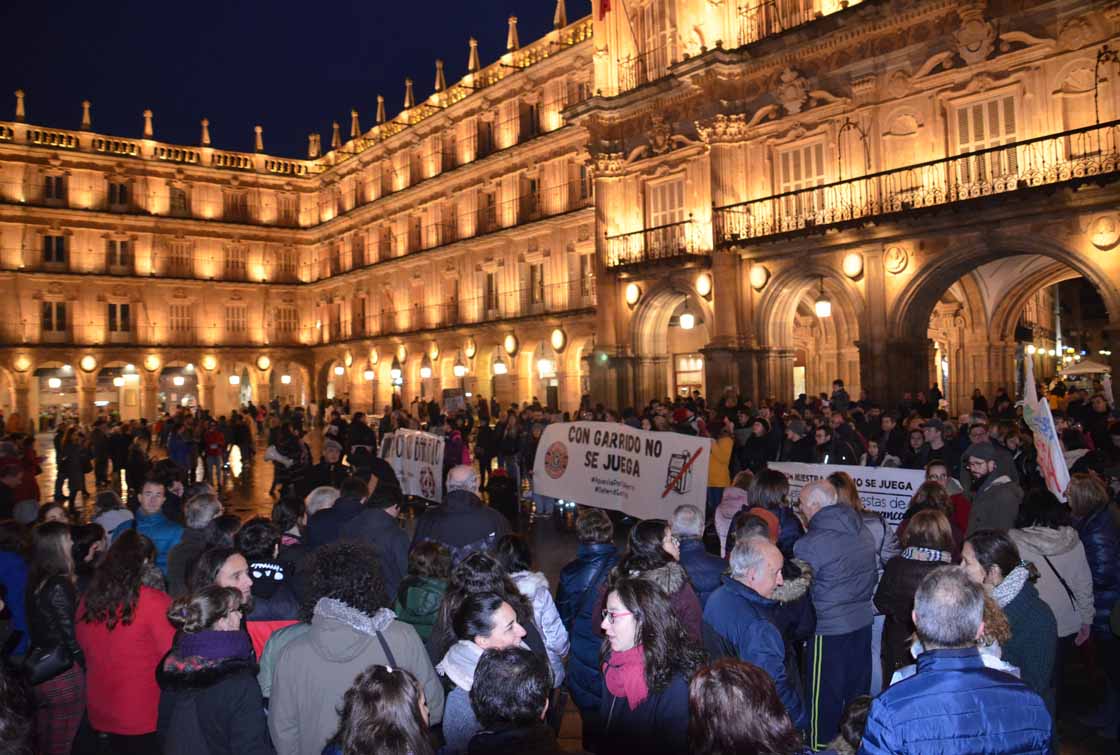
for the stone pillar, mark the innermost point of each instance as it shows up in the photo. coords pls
(87, 393)
(776, 374)
(27, 402)
(721, 371)
(262, 387)
(725, 299)
(909, 369)
(875, 374)
(1112, 338)
(206, 382)
(149, 394)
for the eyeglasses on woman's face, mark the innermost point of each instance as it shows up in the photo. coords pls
(613, 616)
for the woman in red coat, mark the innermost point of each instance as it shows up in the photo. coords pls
(124, 634)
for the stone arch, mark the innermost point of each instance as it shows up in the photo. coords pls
(652, 343)
(1010, 307)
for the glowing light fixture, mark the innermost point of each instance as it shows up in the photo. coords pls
(88, 363)
(209, 362)
(340, 370)
(368, 375)
(263, 362)
(471, 348)
(704, 284)
(1031, 349)
(54, 383)
(759, 277)
(425, 368)
(500, 367)
(235, 380)
(118, 382)
(22, 363)
(433, 351)
(558, 339)
(286, 379)
(510, 344)
(348, 359)
(395, 369)
(179, 380)
(373, 355)
(852, 265)
(460, 369)
(546, 367)
(823, 305)
(402, 353)
(633, 293)
(687, 320)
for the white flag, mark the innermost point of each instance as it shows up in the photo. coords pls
(1037, 415)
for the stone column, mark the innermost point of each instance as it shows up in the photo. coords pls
(721, 371)
(87, 392)
(262, 387)
(875, 373)
(1112, 337)
(725, 299)
(149, 394)
(206, 383)
(26, 403)
(909, 368)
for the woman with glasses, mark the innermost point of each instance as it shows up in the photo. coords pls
(653, 554)
(210, 701)
(648, 658)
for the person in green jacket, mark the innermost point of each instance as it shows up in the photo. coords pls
(421, 591)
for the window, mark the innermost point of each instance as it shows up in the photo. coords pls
(981, 125)
(288, 209)
(536, 283)
(118, 253)
(235, 262)
(665, 203)
(54, 317)
(801, 167)
(491, 292)
(237, 206)
(177, 203)
(586, 275)
(120, 320)
(54, 249)
(237, 320)
(584, 182)
(287, 320)
(179, 320)
(180, 257)
(688, 373)
(118, 193)
(358, 250)
(55, 188)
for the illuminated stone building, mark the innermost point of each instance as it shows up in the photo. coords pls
(664, 195)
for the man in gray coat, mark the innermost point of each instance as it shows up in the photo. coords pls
(841, 552)
(351, 630)
(996, 497)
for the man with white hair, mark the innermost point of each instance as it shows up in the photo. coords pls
(842, 555)
(463, 522)
(738, 619)
(703, 569)
(954, 704)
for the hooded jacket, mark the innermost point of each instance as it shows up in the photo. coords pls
(315, 669)
(534, 586)
(995, 505)
(211, 707)
(274, 604)
(163, 532)
(462, 523)
(953, 705)
(1059, 556)
(580, 584)
(843, 556)
(741, 617)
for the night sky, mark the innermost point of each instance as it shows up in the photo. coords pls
(293, 67)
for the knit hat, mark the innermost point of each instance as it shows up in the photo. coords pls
(680, 415)
(982, 451)
(332, 445)
(771, 521)
(797, 427)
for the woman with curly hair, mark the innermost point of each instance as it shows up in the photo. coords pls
(351, 629)
(384, 712)
(648, 658)
(124, 632)
(734, 708)
(211, 702)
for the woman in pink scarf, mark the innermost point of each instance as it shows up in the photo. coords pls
(648, 658)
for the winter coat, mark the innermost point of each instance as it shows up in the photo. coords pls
(329, 525)
(704, 570)
(673, 579)
(842, 554)
(719, 466)
(463, 523)
(1101, 538)
(315, 669)
(51, 611)
(211, 707)
(417, 603)
(164, 533)
(537, 739)
(534, 586)
(886, 541)
(1059, 556)
(954, 705)
(182, 558)
(1034, 639)
(742, 618)
(13, 577)
(995, 505)
(733, 501)
(894, 598)
(803, 450)
(580, 584)
(658, 726)
(384, 533)
(757, 451)
(274, 604)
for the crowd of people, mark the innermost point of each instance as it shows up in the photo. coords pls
(145, 618)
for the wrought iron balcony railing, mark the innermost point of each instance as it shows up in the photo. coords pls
(1074, 155)
(655, 244)
(759, 20)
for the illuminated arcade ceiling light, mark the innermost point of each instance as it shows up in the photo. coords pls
(823, 305)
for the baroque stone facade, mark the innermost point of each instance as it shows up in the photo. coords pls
(651, 199)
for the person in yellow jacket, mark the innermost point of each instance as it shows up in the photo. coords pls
(719, 468)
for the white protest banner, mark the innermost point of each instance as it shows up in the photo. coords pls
(612, 466)
(1051, 461)
(884, 490)
(417, 458)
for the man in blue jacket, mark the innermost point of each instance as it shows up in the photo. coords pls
(841, 552)
(954, 704)
(703, 569)
(739, 612)
(150, 522)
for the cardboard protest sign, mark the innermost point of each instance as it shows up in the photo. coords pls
(612, 466)
(417, 458)
(884, 490)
